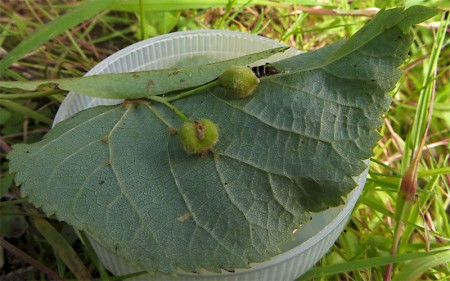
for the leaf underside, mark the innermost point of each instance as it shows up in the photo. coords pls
(119, 173)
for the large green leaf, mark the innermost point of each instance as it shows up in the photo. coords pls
(292, 148)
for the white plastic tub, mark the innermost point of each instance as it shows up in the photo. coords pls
(313, 239)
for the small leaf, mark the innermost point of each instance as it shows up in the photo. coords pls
(134, 85)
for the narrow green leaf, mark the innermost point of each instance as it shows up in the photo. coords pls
(142, 84)
(416, 141)
(414, 269)
(434, 172)
(83, 12)
(371, 263)
(62, 248)
(425, 103)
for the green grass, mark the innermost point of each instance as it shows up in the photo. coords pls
(79, 35)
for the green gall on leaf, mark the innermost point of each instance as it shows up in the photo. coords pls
(198, 136)
(239, 81)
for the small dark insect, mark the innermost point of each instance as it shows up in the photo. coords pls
(264, 70)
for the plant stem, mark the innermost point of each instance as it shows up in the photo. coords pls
(31, 95)
(193, 91)
(392, 170)
(166, 102)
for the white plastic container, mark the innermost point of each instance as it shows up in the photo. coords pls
(313, 239)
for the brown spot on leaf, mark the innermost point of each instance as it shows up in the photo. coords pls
(131, 103)
(184, 216)
(150, 83)
(175, 72)
(105, 139)
(135, 75)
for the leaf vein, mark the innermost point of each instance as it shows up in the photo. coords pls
(100, 116)
(297, 91)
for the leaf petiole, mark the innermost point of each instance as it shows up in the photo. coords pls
(167, 103)
(167, 100)
(193, 91)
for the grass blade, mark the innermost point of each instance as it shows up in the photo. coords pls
(368, 263)
(408, 187)
(424, 108)
(62, 248)
(25, 111)
(414, 269)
